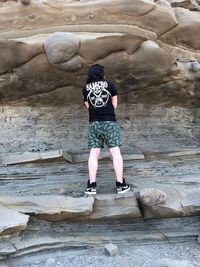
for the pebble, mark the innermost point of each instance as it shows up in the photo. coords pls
(111, 250)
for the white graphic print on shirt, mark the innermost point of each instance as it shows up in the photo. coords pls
(98, 95)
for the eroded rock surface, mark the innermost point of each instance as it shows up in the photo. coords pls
(115, 207)
(13, 54)
(34, 189)
(61, 48)
(150, 51)
(12, 221)
(53, 208)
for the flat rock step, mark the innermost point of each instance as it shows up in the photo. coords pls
(102, 206)
(35, 189)
(58, 155)
(171, 154)
(58, 208)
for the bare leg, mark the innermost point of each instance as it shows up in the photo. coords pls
(117, 163)
(93, 163)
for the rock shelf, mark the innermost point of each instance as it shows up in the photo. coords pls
(54, 190)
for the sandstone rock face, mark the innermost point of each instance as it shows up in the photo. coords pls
(91, 52)
(150, 51)
(12, 221)
(184, 35)
(190, 4)
(115, 207)
(191, 202)
(52, 208)
(33, 188)
(57, 208)
(13, 54)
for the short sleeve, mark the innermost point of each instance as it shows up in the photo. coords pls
(84, 92)
(113, 89)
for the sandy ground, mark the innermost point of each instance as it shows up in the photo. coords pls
(153, 255)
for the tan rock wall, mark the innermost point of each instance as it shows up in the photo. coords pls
(150, 51)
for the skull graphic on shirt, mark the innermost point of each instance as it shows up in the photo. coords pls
(98, 94)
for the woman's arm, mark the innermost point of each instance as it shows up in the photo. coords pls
(86, 104)
(114, 101)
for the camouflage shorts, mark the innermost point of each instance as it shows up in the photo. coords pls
(103, 131)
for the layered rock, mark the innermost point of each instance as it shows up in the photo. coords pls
(12, 221)
(150, 51)
(115, 207)
(34, 188)
(13, 54)
(53, 208)
(178, 203)
(160, 64)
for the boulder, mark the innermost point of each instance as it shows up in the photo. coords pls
(170, 208)
(61, 47)
(178, 203)
(152, 196)
(73, 64)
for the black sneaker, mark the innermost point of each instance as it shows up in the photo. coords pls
(91, 188)
(122, 187)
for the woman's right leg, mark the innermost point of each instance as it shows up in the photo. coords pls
(117, 163)
(93, 164)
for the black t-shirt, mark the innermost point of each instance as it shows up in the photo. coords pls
(99, 96)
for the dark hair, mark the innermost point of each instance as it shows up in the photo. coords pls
(95, 72)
